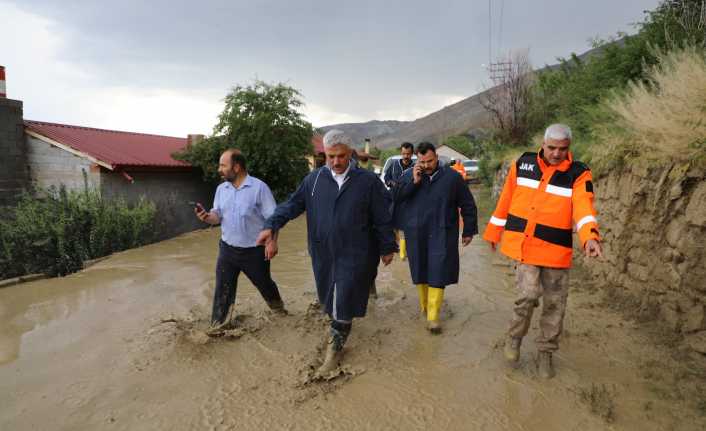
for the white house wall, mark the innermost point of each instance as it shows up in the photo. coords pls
(450, 153)
(52, 166)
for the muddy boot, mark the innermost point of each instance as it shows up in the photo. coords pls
(277, 307)
(334, 347)
(423, 290)
(435, 299)
(434, 327)
(333, 357)
(546, 368)
(217, 329)
(512, 348)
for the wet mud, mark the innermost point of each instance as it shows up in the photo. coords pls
(123, 345)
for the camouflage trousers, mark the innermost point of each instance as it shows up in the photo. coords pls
(552, 286)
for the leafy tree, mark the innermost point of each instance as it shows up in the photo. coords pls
(577, 90)
(509, 102)
(571, 92)
(263, 122)
(675, 23)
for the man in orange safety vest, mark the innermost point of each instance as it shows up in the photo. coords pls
(544, 195)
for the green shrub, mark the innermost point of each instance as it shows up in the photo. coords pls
(55, 231)
(264, 122)
(662, 119)
(494, 153)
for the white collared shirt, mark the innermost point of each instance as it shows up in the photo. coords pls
(341, 178)
(243, 210)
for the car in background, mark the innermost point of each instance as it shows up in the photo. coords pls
(471, 167)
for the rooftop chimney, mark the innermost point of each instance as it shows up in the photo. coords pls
(193, 139)
(13, 148)
(3, 95)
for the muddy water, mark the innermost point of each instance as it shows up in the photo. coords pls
(121, 346)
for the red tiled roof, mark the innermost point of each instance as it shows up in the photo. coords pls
(113, 147)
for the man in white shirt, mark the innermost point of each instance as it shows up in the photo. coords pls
(241, 206)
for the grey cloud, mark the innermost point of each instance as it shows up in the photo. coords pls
(374, 53)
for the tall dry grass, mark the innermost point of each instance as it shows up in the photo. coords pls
(663, 118)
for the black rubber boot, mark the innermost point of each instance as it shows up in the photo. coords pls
(334, 347)
(277, 307)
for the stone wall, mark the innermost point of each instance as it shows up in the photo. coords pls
(170, 190)
(13, 163)
(499, 180)
(653, 222)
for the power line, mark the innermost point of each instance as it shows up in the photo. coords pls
(500, 32)
(490, 32)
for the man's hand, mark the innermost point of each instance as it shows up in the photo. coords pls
(202, 214)
(265, 237)
(593, 249)
(417, 173)
(271, 249)
(493, 246)
(387, 259)
(466, 240)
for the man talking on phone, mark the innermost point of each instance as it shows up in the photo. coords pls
(241, 206)
(429, 197)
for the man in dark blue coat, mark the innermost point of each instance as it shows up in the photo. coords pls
(392, 176)
(427, 201)
(397, 167)
(349, 230)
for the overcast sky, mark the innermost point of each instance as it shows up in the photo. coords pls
(164, 66)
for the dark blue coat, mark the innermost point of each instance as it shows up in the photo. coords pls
(429, 217)
(394, 172)
(392, 176)
(348, 231)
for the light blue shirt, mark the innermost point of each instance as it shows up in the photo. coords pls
(243, 210)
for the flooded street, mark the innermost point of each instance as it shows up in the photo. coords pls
(121, 346)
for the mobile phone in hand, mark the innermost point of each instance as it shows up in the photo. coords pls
(197, 205)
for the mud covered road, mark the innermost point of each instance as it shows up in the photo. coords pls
(120, 346)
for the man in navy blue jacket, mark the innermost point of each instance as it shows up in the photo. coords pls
(429, 197)
(392, 176)
(349, 230)
(397, 167)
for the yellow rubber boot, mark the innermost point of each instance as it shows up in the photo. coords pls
(423, 290)
(435, 299)
(403, 248)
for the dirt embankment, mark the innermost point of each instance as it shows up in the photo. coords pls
(653, 222)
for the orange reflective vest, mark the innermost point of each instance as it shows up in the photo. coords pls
(458, 167)
(537, 209)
